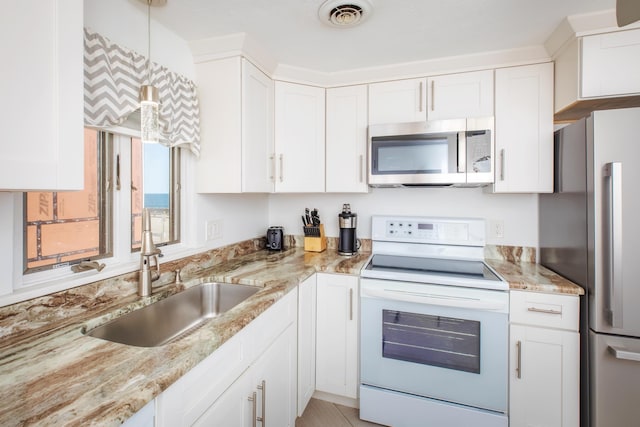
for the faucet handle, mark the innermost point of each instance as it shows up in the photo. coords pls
(178, 277)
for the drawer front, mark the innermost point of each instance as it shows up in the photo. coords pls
(545, 310)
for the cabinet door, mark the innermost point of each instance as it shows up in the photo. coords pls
(42, 94)
(219, 87)
(347, 139)
(299, 138)
(306, 342)
(257, 130)
(143, 418)
(457, 96)
(337, 335)
(611, 64)
(397, 101)
(524, 129)
(233, 408)
(275, 381)
(544, 377)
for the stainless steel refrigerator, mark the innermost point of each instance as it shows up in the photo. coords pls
(590, 233)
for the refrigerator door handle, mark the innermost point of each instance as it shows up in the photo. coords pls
(613, 171)
(624, 354)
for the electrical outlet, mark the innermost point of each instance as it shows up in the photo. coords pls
(496, 228)
(213, 229)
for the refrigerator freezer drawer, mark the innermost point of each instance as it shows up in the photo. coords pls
(615, 380)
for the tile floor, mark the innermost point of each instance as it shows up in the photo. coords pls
(325, 414)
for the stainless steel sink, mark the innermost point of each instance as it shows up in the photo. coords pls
(160, 322)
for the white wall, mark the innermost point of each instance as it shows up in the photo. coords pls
(125, 22)
(519, 212)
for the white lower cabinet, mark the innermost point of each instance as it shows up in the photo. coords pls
(337, 335)
(544, 379)
(143, 418)
(217, 390)
(265, 392)
(306, 342)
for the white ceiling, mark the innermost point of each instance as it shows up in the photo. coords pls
(397, 31)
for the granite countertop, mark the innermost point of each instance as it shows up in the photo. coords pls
(57, 376)
(529, 276)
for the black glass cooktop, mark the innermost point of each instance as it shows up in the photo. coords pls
(452, 268)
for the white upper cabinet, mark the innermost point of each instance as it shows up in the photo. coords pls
(398, 101)
(611, 64)
(597, 71)
(346, 144)
(236, 110)
(42, 95)
(299, 138)
(524, 129)
(463, 95)
(451, 96)
(257, 130)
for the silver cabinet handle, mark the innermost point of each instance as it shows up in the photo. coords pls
(420, 103)
(350, 303)
(281, 167)
(519, 356)
(252, 399)
(624, 354)
(433, 95)
(263, 386)
(502, 165)
(613, 171)
(544, 310)
(361, 167)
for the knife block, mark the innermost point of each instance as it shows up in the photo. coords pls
(314, 239)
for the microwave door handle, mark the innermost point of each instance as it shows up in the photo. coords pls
(462, 152)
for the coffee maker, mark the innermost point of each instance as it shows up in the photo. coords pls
(348, 244)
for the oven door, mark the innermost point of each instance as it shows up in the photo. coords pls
(441, 342)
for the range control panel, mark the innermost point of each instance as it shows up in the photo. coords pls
(464, 231)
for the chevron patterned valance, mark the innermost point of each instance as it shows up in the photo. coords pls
(112, 79)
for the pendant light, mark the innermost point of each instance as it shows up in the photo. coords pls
(149, 100)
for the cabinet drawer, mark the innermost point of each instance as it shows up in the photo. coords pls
(546, 310)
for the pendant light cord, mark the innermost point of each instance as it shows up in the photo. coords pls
(149, 41)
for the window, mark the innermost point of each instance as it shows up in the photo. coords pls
(64, 228)
(154, 172)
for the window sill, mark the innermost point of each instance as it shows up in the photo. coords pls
(45, 283)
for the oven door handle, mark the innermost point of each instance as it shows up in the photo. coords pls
(432, 299)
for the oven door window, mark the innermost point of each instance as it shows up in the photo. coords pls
(440, 341)
(415, 154)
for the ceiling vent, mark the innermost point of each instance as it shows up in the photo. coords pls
(344, 13)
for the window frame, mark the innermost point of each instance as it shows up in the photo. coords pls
(106, 171)
(24, 287)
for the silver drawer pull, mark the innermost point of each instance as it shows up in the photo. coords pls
(519, 357)
(263, 419)
(252, 399)
(624, 354)
(544, 310)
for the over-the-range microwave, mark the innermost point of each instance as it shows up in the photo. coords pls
(432, 153)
